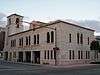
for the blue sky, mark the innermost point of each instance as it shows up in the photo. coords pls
(52, 9)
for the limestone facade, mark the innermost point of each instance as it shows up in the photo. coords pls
(72, 41)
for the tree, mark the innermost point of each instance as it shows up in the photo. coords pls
(94, 46)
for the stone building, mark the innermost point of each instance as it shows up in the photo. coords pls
(54, 43)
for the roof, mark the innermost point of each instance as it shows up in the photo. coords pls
(58, 21)
(51, 23)
(14, 14)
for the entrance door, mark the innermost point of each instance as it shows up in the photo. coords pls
(28, 56)
(20, 57)
(6, 56)
(37, 57)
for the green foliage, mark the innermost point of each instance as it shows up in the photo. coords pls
(95, 45)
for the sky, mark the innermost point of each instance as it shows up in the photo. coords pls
(45, 10)
(49, 10)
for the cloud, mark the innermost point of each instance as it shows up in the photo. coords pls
(93, 24)
(2, 15)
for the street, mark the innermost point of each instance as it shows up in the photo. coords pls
(23, 69)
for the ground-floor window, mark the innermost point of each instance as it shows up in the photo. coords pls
(45, 54)
(87, 54)
(71, 54)
(48, 54)
(79, 54)
(51, 54)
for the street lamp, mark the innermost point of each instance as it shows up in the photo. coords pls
(55, 48)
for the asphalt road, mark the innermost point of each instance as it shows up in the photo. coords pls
(22, 69)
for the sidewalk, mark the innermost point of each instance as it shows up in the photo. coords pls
(77, 65)
(49, 66)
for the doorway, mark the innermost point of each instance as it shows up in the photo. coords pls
(37, 57)
(6, 56)
(28, 56)
(20, 56)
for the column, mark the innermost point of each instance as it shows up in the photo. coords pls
(24, 56)
(17, 57)
(31, 56)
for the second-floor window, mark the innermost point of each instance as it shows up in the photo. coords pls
(28, 40)
(52, 36)
(88, 40)
(77, 38)
(34, 39)
(13, 43)
(48, 37)
(81, 39)
(21, 41)
(37, 38)
(70, 38)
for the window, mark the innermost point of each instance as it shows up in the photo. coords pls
(70, 54)
(69, 38)
(19, 42)
(48, 54)
(78, 54)
(81, 39)
(73, 54)
(34, 39)
(77, 38)
(81, 54)
(48, 37)
(45, 54)
(9, 21)
(88, 40)
(26, 40)
(29, 40)
(51, 54)
(13, 43)
(17, 22)
(88, 54)
(52, 36)
(37, 38)
(22, 41)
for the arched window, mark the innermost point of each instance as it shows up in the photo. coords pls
(77, 38)
(48, 37)
(37, 38)
(9, 21)
(70, 38)
(81, 39)
(52, 36)
(17, 22)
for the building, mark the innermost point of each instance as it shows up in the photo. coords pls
(2, 39)
(54, 43)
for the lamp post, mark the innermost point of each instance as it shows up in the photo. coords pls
(55, 48)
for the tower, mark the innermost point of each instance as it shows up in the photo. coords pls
(14, 24)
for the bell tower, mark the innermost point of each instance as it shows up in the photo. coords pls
(14, 24)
